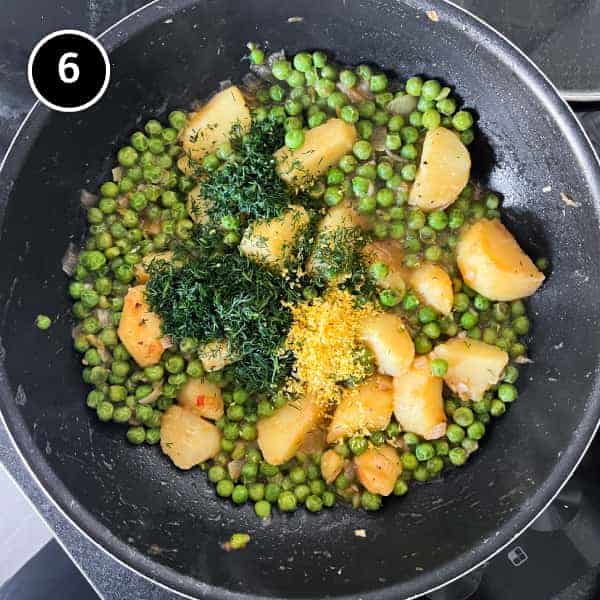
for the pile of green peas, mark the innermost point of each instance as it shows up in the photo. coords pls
(143, 210)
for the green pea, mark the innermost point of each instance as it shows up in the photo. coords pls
(127, 156)
(358, 445)
(424, 451)
(262, 509)
(468, 320)
(409, 134)
(349, 113)
(225, 488)
(462, 120)
(497, 408)
(389, 298)
(239, 495)
(336, 100)
(324, 87)
(463, 416)
(446, 106)
(439, 367)
(455, 433)
(294, 138)
(370, 501)
(43, 322)
(348, 163)
(441, 447)
(476, 430)
(470, 445)
(422, 344)
(329, 72)
(105, 411)
(362, 150)
(457, 456)
(395, 123)
(414, 86)
(378, 83)
(367, 204)
(507, 392)
(287, 501)
(431, 118)
(409, 172)
(393, 141)
(409, 461)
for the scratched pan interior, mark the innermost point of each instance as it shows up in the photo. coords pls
(168, 524)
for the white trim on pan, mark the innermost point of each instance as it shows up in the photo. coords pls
(474, 567)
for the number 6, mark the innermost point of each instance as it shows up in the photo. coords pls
(63, 65)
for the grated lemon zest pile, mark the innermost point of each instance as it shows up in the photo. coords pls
(324, 338)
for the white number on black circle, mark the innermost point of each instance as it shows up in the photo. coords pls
(68, 71)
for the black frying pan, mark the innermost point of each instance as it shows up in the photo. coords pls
(166, 524)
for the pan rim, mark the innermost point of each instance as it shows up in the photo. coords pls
(168, 578)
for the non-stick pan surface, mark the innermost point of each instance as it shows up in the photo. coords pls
(168, 524)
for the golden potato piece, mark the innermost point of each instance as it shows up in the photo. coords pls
(140, 328)
(272, 242)
(186, 438)
(366, 407)
(338, 220)
(212, 125)
(443, 172)
(216, 355)
(188, 167)
(323, 147)
(385, 335)
(331, 465)
(418, 402)
(197, 206)
(281, 435)
(378, 468)
(493, 264)
(433, 286)
(141, 269)
(473, 366)
(390, 253)
(204, 397)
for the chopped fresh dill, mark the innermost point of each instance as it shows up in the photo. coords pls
(211, 297)
(337, 255)
(248, 183)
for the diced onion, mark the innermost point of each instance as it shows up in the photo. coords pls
(402, 105)
(87, 199)
(69, 260)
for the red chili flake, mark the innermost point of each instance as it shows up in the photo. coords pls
(200, 400)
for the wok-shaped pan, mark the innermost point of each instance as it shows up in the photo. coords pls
(167, 524)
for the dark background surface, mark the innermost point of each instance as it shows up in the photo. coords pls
(24, 22)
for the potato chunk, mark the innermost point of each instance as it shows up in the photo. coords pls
(385, 335)
(390, 253)
(492, 262)
(433, 286)
(197, 206)
(140, 328)
(473, 366)
(323, 147)
(216, 355)
(418, 403)
(331, 465)
(378, 469)
(281, 435)
(272, 242)
(212, 124)
(203, 397)
(443, 171)
(141, 269)
(338, 224)
(366, 407)
(186, 438)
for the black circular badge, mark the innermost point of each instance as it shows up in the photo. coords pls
(69, 70)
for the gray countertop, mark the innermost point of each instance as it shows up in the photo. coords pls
(22, 24)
